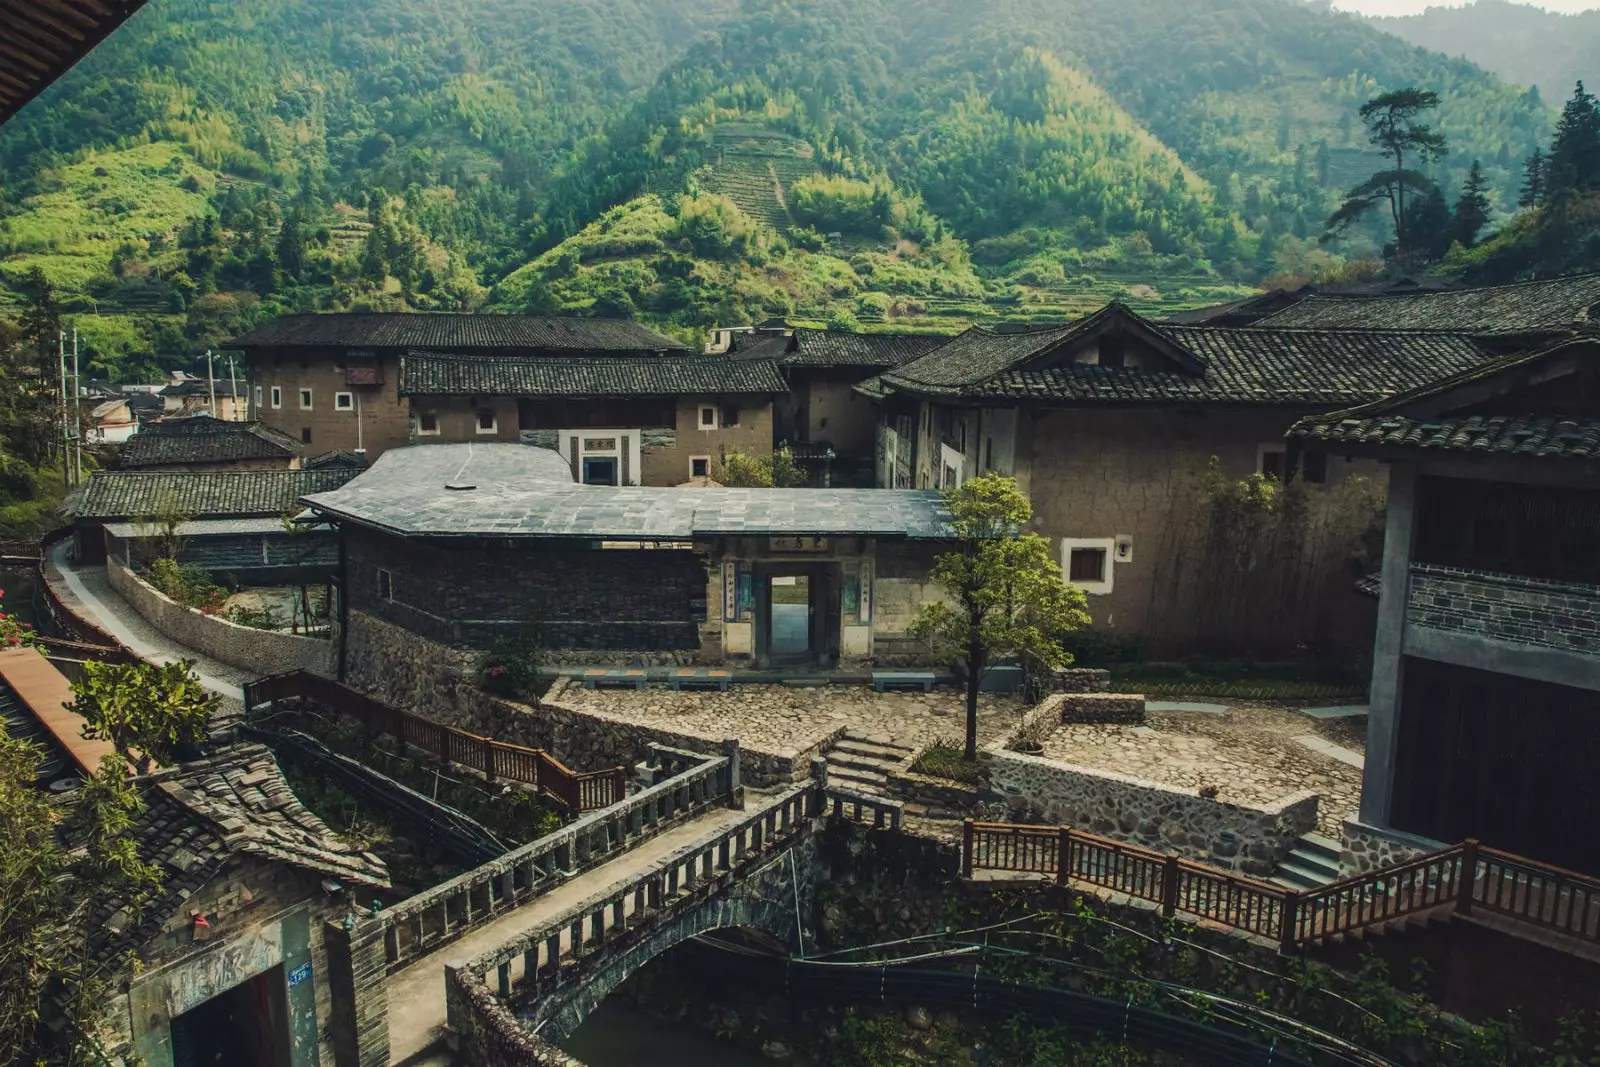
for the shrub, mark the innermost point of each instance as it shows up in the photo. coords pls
(943, 759)
(187, 584)
(511, 668)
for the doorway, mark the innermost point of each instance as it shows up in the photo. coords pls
(791, 616)
(600, 470)
(796, 614)
(247, 1026)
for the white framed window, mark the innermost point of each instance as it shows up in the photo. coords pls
(385, 585)
(277, 396)
(258, 398)
(486, 421)
(344, 401)
(1087, 563)
(428, 424)
(708, 416)
(699, 466)
(305, 400)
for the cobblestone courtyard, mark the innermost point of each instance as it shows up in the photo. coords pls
(780, 718)
(1250, 753)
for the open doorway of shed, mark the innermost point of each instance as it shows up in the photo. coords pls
(247, 1026)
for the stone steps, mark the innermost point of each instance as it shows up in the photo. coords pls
(1312, 863)
(864, 761)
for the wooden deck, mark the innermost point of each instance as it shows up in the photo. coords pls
(45, 691)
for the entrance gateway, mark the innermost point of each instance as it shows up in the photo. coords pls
(797, 613)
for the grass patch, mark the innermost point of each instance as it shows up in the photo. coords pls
(942, 759)
(1240, 681)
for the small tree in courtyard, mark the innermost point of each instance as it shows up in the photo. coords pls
(1006, 597)
(142, 708)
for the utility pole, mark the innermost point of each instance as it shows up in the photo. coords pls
(66, 440)
(233, 379)
(211, 383)
(77, 415)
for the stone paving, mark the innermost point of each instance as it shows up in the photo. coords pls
(1249, 753)
(778, 718)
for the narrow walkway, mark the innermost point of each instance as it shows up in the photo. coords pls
(87, 591)
(416, 993)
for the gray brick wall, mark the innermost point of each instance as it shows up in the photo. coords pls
(1526, 611)
(645, 600)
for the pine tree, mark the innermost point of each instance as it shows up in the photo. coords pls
(1393, 122)
(1533, 180)
(1575, 152)
(292, 247)
(1472, 209)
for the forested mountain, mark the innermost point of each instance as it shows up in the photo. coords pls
(705, 161)
(1523, 43)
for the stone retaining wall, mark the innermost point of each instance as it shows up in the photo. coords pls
(1081, 680)
(245, 647)
(1103, 708)
(1369, 848)
(1155, 816)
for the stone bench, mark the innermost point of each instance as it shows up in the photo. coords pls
(699, 677)
(630, 677)
(1102, 707)
(882, 680)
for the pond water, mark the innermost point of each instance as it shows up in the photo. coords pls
(617, 1034)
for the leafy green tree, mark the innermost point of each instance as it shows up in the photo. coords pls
(745, 471)
(292, 247)
(1534, 173)
(1575, 152)
(144, 710)
(1005, 596)
(1472, 207)
(1394, 124)
(56, 866)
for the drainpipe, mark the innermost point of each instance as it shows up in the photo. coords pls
(344, 604)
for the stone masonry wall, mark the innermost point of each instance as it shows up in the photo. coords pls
(1369, 848)
(1528, 611)
(1103, 707)
(1159, 817)
(245, 647)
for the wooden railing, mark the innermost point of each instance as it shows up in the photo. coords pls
(690, 784)
(577, 791)
(1467, 877)
(25, 551)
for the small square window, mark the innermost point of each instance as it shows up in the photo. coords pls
(1314, 466)
(305, 435)
(344, 401)
(1087, 565)
(730, 414)
(385, 585)
(305, 400)
(258, 397)
(427, 424)
(487, 423)
(708, 417)
(277, 397)
(699, 466)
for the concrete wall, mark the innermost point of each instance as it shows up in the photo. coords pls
(1160, 817)
(245, 647)
(384, 416)
(835, 412)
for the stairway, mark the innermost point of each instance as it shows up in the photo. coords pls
(862, 761)
(1313, 862)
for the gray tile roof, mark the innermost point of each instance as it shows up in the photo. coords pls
(203, 494)
(225, 387)
(433, 374)
(458, 332)
(1539, 307)
(1425, 418)
(522, 491)
(1225, 365)
(203, 439)
(199, 815)
(841, 348)
(339, 457)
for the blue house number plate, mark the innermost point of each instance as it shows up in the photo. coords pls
(300, 974)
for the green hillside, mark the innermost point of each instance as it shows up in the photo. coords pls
(920, 162)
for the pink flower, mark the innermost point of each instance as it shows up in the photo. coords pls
(495, 672)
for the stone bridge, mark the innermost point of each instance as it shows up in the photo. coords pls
(510, 1005)
(674, 859)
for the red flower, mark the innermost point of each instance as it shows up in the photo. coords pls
(495, 672)
(15, 639)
